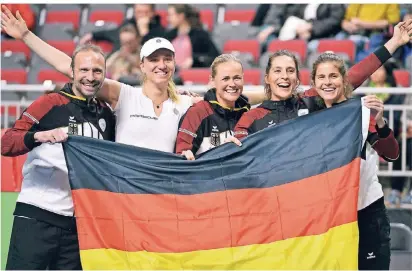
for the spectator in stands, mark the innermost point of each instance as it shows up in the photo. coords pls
(329, 73)
(398, 183)
(282, 80)
(145, 20)
(209, 123)
(194, 45)
(303, 21)
(368, 23)
(26, 12)
(44, 234)
(125, 62)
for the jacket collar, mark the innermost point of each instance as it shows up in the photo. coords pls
(273, 105)
(241, 105)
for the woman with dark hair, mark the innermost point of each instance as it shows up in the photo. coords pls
(194, 46)
(329, 77)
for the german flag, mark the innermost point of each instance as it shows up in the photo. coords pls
(286, 199)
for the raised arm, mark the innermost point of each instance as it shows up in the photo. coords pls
(365, 68)
(17, 28)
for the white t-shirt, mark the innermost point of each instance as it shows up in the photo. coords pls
(138, 125)
(370, 189)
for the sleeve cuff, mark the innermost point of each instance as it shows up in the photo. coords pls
(383, 132)
(29, 140)
(383, 54)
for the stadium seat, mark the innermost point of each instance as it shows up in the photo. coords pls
(15, 46)
(52, 75)
(114, 16)
(245, 16)
(207, 18)
(10, 110)
(305, 77)
(338, 46)
(232, 31)
(11, 60)
(195, 76)
(65, 46)
(96, 26)
(63, 13)
(108, 7)
(243, 46)
(57, 31)
(295, 46)
(247, 59)
(106, 46)
(14, 76)
(163, 17)
(252, 77)
(402, 78)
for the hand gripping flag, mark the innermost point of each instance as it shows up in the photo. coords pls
(286, 199)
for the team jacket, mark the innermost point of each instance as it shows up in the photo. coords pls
(45, 184)
(273, 112)
(207, 123)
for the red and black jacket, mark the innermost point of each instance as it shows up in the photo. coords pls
(207, 123)
(274, 112)
(60, 109)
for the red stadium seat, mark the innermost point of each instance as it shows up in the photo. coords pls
(195, 76)
(65, 46)
(240, 15)
(252, 77)
(402, 78)
(305, 77)
(64, 16)
(11, 110)
(243, 46)
(52, 75)
(106, 46)
(338, 46)
(295, 46)
(18, 76)
(115, 16)
(16, 46)
(207, 18)
(163, 17)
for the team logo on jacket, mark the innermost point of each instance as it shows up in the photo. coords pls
(215, 136)
(102, 124)
(73, 129)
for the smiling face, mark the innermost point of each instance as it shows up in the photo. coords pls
(282, 77)
(159, 67)
(88, 73)
(329, 82)
(228, 81)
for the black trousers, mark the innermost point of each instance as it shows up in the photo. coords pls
(37, 245)
(374, 237)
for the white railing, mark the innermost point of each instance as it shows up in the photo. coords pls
(384, 169)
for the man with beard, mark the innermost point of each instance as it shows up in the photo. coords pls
(44, 234)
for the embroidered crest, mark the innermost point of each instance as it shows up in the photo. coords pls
(215, 137)
(73, 129)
